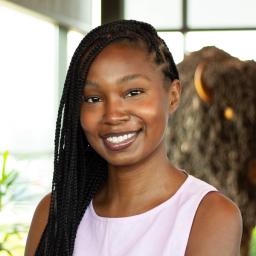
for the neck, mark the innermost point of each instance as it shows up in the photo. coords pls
(144, 181)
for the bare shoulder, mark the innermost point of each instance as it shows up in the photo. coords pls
(38, 224)
(217, 228)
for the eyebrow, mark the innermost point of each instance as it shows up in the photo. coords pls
(91, 83)
(121, 80)
(129, 78)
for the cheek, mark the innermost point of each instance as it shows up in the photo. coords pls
(87, 120)
(155, 113)
(156, 106)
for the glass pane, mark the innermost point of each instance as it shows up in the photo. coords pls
(28, 103)
(161, 13)
(28, 87)
(239, 44)
(219, 13)
(73, 40)
(175, 43)
(96, 13)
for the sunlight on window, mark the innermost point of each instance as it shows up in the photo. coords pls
(175, 43)
(161, 13)
(28, 100)
(27, 82)
(73, 41)
(96, 13)
(240, 44)
(219, 13)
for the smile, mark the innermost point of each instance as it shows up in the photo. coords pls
(119, 142)
(120, 138)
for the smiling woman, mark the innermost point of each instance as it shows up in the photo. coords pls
(114, 188)
(126, 96)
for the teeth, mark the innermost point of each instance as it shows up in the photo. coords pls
(121, 138)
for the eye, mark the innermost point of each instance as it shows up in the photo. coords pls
(134, 92)
(91, 99)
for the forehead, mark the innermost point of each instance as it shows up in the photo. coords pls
(124, 48)
(120, 58)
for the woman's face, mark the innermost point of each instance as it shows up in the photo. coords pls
(126, 107)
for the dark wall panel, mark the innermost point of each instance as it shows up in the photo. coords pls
(73, 14)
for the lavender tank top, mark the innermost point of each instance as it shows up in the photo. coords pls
(161, 231)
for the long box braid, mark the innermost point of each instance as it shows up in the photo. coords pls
(79, 171)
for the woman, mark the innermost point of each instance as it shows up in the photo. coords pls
(114, 190)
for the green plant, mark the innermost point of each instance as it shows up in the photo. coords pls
(12, 234)
(253, 243)
(7, 180)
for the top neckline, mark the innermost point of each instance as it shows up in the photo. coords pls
(146, 213)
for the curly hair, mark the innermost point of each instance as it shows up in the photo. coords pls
(79, 171)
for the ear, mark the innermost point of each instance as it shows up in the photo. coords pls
(174, 93)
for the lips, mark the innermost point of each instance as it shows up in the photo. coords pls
(119, 141)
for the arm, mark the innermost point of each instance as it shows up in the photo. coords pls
(217, 228)
(37, 226)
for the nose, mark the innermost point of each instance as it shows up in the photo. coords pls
(115, 112)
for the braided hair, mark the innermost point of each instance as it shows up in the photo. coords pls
(79, 171)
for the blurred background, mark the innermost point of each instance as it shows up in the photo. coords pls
(37, 40)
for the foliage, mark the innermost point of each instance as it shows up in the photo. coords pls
(7, 180)
(11, 236)
(253, 243)
(12, 240)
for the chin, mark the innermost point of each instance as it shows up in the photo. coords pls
(121, 162)
(125, 162)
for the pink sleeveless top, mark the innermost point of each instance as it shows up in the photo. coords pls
(161, 231)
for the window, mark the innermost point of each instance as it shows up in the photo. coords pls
(28, 82)
(189, 25)
(73, 40)
(219, 14)
(175, 43)
(161, 14)
(28, 103)
(240, 44)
